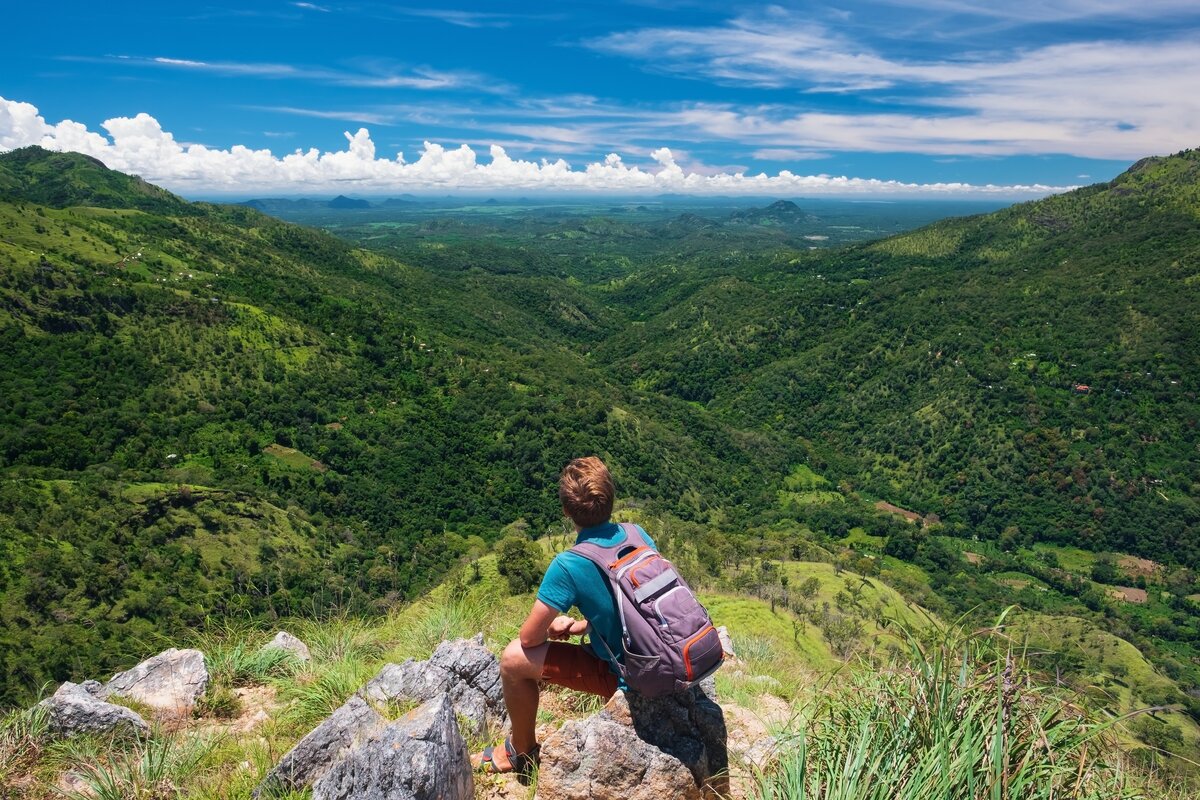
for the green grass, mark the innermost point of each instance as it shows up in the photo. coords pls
(1072, 559)
(293, 458)
(860, 539)
(1018, 580)
(1115, 674)
(148, 768)
(802, 478)
(956, 716)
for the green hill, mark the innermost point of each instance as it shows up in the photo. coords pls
(409, 415)
(1023, 383)
(60, 180)
(1034, 368)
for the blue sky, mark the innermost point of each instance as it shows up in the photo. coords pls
(923, 97)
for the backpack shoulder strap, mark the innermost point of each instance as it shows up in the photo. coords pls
(605, 557)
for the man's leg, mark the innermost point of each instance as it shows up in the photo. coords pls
(520, 670)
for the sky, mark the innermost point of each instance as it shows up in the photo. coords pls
(928, 98)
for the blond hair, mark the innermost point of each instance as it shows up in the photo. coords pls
(586, 491)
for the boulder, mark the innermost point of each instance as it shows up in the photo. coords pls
(75, 709)
(463, 669)
(316, 753)
(171, 682)
(285, 641)
(422, 756)
(641, 748)
(726, 641)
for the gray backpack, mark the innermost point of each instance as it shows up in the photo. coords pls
(669, 639)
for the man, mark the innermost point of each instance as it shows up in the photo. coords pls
(586, 492)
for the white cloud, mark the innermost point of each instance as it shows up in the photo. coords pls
(373, 75)
(139, 145)
(463, 19)
(1034, 11)
(787, 154)
(1100, 99)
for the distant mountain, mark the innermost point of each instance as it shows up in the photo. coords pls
(690, 222)
(277, 205)
(272, 205)
(781, 212)
(341, 201)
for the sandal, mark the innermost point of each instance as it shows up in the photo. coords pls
(521, 764)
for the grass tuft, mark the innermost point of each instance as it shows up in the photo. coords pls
(958, 716)
(153, 767)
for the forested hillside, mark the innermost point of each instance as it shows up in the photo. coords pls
(406, 417)
(1031, 371)
(209, 412)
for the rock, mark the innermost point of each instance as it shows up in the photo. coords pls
(599, 759)
(726, 641)
(463, 669)
(73, 709)
(72, 784)
(422, 756)
(641, 748)
(750, 743)
(172, 681)
(285, 641)
(316, 753)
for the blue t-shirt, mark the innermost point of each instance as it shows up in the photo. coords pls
(572, 580)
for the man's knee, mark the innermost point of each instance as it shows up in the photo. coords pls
(517, 662)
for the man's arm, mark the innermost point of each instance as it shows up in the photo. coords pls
(545, 622)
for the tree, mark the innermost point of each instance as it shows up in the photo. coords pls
(520, 564)
(1105, 571)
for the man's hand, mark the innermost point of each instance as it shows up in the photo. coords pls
(564, 627)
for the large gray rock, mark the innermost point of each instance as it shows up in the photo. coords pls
(171, 682)
(422, 756)
(640, 749)
(463, 669)
(316, 753)
(288, 643)
(75, 709)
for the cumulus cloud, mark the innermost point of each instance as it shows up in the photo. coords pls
(139, 145)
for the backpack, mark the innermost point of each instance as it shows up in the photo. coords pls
(669, 639)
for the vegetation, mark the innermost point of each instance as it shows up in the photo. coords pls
(222, 419)
(956, 717)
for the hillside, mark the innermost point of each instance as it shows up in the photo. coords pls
(188, 375)
(1033, 369)
(776, 705)
(221, 348)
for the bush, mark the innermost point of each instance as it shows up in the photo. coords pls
(520, 564)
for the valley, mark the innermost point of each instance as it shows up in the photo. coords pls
(211, 414)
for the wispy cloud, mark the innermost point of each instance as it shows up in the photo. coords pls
(1027, 12)
(312, 7)
(140, 145)
(463, 19)
(377, 74)
(1104, 98)
(787, 154)
(347, 115)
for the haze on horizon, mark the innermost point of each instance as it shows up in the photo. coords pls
(908, 98)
